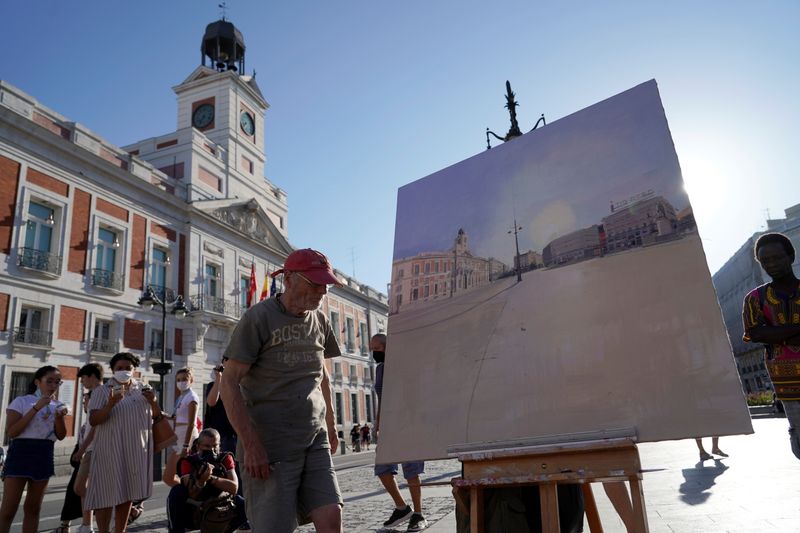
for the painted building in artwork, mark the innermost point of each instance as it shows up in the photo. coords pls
(738, 276)
(641, 220)
(86, 226)
(529, 260)
(432, 276)
(574, 246)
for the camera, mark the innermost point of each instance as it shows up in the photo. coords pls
(219, 369)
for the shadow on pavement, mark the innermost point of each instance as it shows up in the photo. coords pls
(698, 480)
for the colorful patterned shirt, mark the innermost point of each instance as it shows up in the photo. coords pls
(774, 308)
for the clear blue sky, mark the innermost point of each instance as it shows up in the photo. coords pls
(368, 96)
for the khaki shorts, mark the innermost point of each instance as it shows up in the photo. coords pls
(86, 462)
(295, 488)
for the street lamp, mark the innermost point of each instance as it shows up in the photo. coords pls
(177, 307)
(516, 229)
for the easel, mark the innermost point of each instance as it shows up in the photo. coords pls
(547, 465)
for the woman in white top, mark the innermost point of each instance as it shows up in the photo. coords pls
(34, 422)
(185, 421)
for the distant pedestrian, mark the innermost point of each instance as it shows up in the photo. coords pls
(365, 436)
(185, 419)
(771, 316)
(355, 438)
(33, 423)
(91, 377)
(704, 455)
(122, 413)
(387, 472)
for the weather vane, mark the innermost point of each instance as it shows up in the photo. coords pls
(513, 131)
(224, 7)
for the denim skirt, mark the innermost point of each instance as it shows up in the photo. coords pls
(30, 458)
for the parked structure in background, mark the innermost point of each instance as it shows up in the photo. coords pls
(738, 276)
(86, 226)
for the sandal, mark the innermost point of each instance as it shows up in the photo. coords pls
(136, 512)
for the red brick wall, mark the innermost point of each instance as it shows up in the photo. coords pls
(178, 349)
(56, 128)
(5, 299)
(138, 242)
(165, 144)
(47, 182)
(9, 182)
(70, 373)
(209, 178)
(79, 234)
(162, 231)
(72, 323)
(134, 334)
(182, 265)
(110, 209)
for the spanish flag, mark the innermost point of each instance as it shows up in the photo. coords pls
(265, 289)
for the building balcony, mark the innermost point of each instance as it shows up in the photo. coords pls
(32, 337)
(107, 279)
(212, 304)
(103, 346)
(350, 346)
(353, 380)
(154, 354)
(337, 377)
(367, 381)
(45, 262)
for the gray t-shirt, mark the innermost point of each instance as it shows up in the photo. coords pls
(282, 388)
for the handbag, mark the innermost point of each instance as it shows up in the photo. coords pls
(215, 515)
(163, 434)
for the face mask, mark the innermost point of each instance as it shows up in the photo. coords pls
(38, 393)
(379, 356)
(182, 385)
(123, 376)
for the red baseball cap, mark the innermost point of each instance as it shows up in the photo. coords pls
(312, 264)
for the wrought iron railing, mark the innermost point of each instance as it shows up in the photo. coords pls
(337, 377)
(353, 380)
(103, 345)
(154, 353)
(108, 279)
(165, 294)
(34, 337)
(212, 304)
(39, 260)
(367, 380)
(351, 346)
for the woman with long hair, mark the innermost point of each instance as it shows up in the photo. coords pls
(33, 423)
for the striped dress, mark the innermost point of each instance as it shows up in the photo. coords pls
(122, 461)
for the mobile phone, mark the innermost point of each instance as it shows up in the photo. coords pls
(146, 387)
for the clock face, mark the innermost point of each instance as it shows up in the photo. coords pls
(203, 116)
(247, 123)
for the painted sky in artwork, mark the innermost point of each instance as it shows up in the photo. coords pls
(553, 181)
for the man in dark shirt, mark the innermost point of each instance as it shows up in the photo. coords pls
(216, 417)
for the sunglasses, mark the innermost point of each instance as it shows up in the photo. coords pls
(313, 285)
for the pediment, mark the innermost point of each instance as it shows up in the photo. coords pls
(198, 74)
(247, 217)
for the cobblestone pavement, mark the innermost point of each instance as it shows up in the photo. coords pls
(367, 506)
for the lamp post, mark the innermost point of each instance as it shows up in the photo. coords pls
(148, 300)
(518, 268)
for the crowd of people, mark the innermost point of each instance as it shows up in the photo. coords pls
(263, 458)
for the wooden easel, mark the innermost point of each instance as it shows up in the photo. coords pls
(548, 465)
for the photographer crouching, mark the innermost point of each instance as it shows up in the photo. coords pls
(206, 497)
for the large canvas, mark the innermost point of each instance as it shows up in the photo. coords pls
(614, 324)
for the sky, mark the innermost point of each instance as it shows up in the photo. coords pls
(552, 182)
(369, 96)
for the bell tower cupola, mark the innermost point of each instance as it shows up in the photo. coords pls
(223, 45)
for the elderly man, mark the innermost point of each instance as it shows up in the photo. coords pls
(278, 397)
(771, 316)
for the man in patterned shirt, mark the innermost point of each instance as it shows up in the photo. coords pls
(771, 316)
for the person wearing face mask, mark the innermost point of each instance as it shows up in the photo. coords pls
(387, 472)
(205, 476)
(33, 423)
(121, 413)
(185, 420)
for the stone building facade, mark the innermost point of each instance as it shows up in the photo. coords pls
(86, 226)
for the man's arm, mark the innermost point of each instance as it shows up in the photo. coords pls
(330, 416)
(255, 456)
(213, 394)
(789, 334)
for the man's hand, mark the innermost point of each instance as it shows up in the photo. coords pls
(256, 463)
(77, 456)
(150, 396)
(114, 397)
(204, 473)
(333, 439)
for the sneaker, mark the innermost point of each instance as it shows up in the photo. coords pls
(417, 522)
(398, 517)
